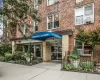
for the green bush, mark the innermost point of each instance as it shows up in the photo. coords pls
(2, 58)
(18, 55)
(5, 48)
(40, 60)
(8, 56)
(68, 66)
(86, 66)
(75, 55)
(21, 62)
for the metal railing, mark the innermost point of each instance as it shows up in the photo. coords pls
(82, 65)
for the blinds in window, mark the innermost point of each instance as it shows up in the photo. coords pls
(88, 10)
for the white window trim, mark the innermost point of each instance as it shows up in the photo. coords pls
(34, 26)
(93, 12)
(84, 15)
(51, 4)
(76, 16)
(82, 49)
(79, 1)
(53, 21)
(35, 4)
(25, 26)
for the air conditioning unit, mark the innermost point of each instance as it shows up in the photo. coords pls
(89, 20)
(80, 52)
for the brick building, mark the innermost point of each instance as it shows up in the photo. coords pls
(62, 17)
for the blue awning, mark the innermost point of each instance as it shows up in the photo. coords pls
(45, 35)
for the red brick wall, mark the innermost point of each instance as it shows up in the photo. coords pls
(66, 9)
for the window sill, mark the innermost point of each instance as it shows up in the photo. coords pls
(84, 24)
(53, 29)
(85, 55)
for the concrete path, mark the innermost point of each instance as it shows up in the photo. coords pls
(42, 71)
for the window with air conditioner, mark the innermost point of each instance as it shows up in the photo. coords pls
(84, 14)
(89, 16)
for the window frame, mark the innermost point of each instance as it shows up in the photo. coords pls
(25, 27)
(79, 1)
(35, 5)
(53, 22)
(82, 49)
(56, 21)
(51, 3)
(35, 26)
(84, 16)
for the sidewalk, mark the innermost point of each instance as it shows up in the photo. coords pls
(42, 71)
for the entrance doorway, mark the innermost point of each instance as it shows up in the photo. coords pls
(56, 52)
(36, 49)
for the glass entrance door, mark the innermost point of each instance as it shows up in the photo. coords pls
(56, 52)
(38, 50)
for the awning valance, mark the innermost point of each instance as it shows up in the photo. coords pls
(45, 35)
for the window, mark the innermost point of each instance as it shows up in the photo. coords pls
(1, 26)
(50, 22)
(88, 10)
(36, 25)
(83, 49)
(56, 20)
(36, 4)
(84, 15)
(50, 2)
(79, 19)
(25, 29)
(79, 15)
(53, 21)
(77, 1)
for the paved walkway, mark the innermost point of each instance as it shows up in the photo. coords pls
(42, 71)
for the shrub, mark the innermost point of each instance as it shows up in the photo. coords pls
(2, 58)
(86, 66)
(21, 62)
(8, 56)
(27, 55)
(18, 55)
(68, 66)
(75, 54)
(5, 48)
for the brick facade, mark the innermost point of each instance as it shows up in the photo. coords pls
(66, 10)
